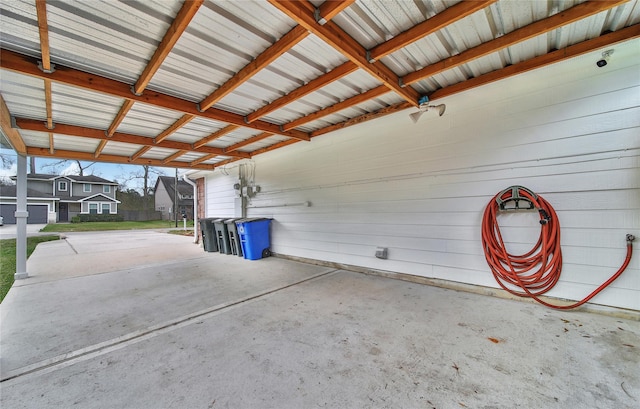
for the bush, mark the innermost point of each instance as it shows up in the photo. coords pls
(82, 218)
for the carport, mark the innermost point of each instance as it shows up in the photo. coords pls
(317, 98)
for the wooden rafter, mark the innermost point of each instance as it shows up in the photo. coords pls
(100, 148)
(357, 99)
(124, 109)
(138, 154)
(202, 159)
(246, 142)
(302, 12)
(177, 27)
(572, 51)
(48, 103)
(185, 119)
(275, 146)
(215, 135)
(52, 148)
(624, 34)
(294, 36)
(12, 134)
(22, 64)
(43, 31)
(88, 156)
(93, 133)
(429, 26)
(535, 29)
(179, 24)
(176, 155)
(363, 118)
(313, 85)
(328, 10)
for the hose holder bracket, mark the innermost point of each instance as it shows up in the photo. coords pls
(516, 198)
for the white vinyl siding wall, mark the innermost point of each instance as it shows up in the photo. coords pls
(219, 193)
(421, 189)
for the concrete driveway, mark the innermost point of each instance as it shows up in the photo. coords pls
(145, 319)
(8, 231)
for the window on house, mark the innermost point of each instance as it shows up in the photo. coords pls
(86, 187)
(106, 208)
(62, 186)
(106, 189)
(93, 208)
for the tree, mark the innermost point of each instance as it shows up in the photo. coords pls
(146, 175)
(81, 166)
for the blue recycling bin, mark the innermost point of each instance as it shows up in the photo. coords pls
(254, 238)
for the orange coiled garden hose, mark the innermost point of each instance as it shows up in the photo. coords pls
(537, 271)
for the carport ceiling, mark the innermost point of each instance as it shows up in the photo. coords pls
(199, 84)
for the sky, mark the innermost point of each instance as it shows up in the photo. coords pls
(114, 172)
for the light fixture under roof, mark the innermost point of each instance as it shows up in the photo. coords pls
(425, 107)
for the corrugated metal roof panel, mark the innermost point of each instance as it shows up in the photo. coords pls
(147, 120)
(73, 143)
(35, 139)
(19, 24)
(204, 58)
(344, 88)
(307, 60)
(234, 137)
(75, 106)
(24, 95)
(158, 153)
(120, 148)
(113, 39)
(196, 129)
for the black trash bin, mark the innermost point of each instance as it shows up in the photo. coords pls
(234, 239)
(222, 236)
(208, 234)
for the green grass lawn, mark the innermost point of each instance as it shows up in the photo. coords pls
(101, 226)
(8, 259)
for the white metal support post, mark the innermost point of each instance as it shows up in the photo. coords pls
(21, 219)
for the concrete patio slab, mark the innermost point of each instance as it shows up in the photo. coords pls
(217, 331)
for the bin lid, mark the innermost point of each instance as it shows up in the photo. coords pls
(253, 219)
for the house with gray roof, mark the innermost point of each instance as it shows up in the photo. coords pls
(165, 194)
(64, 196)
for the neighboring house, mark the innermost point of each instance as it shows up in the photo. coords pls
(164, 194)
(40, 205)
(70, 195)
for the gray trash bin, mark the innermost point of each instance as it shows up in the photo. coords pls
(222, 236)
(234, 239)
(208, 234)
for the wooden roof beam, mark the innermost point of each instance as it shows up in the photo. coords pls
(171, 37)
(176, 155)
(328, 10)
(302, 12)
(349, 102)
(294, 36)
(572, 51)
(94, 133)
(124, 109)
(534, 29)
(215, 135)
(429, 26)
(248, 141)
(313, 85)
(595, 44)
(100, 148)
(26, 65)
(202, 159)
(185, 119)
(89, 156)
(137, 155)
(12, 134)
(43, 31)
